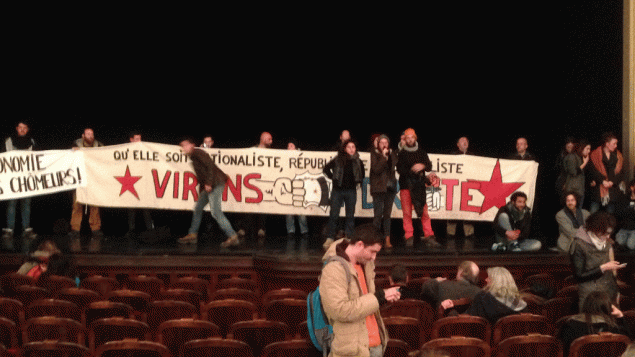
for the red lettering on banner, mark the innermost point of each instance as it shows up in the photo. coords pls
(466, 197)
(175, 186)
(248, 185)
(160, 188)
(449, 192)
(189, 185)
(235, 189)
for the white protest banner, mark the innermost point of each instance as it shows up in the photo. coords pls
(276, 181)
(33, 173)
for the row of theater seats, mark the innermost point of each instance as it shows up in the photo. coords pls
(411, 323)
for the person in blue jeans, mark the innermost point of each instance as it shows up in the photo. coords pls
(20, 140)
(625, 213)
(346, 171)
(211, 180)
(512, 225)
(290, 220)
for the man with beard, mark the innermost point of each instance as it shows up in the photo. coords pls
(94, 218)
(349, 297)
(512, 226)
(570, 218)
(20, 140)
(412, 164)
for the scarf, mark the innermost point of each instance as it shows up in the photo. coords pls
(576, 217)
(596, 157)
(596, 241)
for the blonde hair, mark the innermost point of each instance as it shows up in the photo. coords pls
(501, 284)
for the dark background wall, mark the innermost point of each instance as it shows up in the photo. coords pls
(493, 74)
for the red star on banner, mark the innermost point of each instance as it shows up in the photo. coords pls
(495, 190)
(127, 183)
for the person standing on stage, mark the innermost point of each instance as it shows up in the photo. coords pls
(462, 146)
(212, 184)
(607, 175)
(383, 185)
(20, 140)
(412, 164)
(347, 172)
(94, 216)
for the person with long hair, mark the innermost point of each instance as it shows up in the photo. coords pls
(500, 297)
(574, 168)
(570, 218)
(598, 314)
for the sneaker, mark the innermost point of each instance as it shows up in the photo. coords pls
(387, 244)
(431, 242)
(94, 245)
(514, 247)
(75, 242)
(262, 236)
(410, 242)
(28, 234)
(7, 239)
(190, 238)
(499, 247)
(231, 242)
(468, 244)
(327, 243)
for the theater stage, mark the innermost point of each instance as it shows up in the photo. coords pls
(274, 269)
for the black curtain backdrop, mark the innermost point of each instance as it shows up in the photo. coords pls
(488, 73)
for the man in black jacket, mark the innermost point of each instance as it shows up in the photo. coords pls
(512, 226)
(412, 164)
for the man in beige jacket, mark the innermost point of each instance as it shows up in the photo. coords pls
(352, 306)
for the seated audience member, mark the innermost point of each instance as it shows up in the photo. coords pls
(499, 298)
(38, 261)
(570, 218)
(436, 291)
(625, 214)
(399, 277)
(512, 225)
(630, 351)
(597, 315)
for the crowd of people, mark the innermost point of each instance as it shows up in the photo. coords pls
(597, 206)
(589, 180)
(353, 302)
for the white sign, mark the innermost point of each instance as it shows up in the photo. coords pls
(32, 173)
(159, 176)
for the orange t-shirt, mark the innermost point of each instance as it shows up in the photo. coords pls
(371, 322)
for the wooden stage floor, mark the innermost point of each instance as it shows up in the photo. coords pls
(119, 255)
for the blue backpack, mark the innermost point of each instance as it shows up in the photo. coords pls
(320, 331)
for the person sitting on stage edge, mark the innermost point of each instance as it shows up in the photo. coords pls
(439, 291)
(512, 225)
(570, 218)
